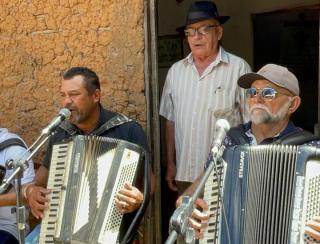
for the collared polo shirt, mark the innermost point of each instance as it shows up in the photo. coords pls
(194, 103)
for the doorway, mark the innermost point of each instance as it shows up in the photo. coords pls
(291, 38)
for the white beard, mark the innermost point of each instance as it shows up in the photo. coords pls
(261, 114)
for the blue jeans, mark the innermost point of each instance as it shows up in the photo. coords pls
(33, 237)
(7, 238)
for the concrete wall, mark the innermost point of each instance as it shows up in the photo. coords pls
(42, 39)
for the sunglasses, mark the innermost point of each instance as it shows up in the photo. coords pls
(266, 93)
(203, 30)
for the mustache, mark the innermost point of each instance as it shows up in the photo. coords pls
(259, 106)
(70, 107)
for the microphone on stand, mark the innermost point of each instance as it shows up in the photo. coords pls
(222, 127)
(180, 218)
(64, 114)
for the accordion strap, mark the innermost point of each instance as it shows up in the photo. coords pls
(238, 135)
(297, 138)
(115, 121)
(11, 142)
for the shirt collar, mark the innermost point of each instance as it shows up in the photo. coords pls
(221, 57)
(104, 116)
(289, 129)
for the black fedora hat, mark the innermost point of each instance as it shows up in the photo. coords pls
(202, 10)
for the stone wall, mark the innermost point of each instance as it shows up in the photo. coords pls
(41, 39)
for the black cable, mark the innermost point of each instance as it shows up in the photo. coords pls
(146, 193)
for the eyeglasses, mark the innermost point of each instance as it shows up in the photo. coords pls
(203, 30)
(266, 93)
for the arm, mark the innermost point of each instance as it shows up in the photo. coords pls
(189, 191)
(42, 176)
(199, 219)
(129, 198)
(8, 199)
(171, 155)
(16, 152)
(167, 105)
(35, 194)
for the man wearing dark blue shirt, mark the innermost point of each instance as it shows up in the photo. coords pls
(272, 97)
(80, 93)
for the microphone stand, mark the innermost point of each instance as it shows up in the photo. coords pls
(19, 166)
(180, 218)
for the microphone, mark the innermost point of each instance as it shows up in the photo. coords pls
(63, 115)
(222, 127)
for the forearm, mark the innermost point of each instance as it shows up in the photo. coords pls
(41, 176)
(191, 189)
(9, 199)
(170, 143)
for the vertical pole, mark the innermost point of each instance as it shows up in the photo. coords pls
(152, 224)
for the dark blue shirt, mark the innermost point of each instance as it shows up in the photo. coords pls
(129, 131)
(246, 128)
(245, 131)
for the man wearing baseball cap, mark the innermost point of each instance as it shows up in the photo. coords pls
(272, 97)
(200, 89)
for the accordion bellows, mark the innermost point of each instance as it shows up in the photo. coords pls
(84, 177)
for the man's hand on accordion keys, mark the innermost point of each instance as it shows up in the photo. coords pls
(199, 218)
(36, 197)
(128, 198)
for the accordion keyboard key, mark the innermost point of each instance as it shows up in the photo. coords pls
(84, 179)
(212, 197)
(57, 169)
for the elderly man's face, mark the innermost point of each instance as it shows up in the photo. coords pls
(75, 96)
(265, 110)
(206, 43)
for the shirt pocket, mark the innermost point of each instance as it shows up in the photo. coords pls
(222, 103)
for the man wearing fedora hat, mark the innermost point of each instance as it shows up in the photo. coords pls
(272, 97)
(198, 90)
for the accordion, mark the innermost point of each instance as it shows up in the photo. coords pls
(263, 194)
(85, 175)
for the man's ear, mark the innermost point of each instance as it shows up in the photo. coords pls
(220, 32)
(97, 95)
(295, 103)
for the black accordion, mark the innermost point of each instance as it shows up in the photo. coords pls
(84, 177)
(263, 194)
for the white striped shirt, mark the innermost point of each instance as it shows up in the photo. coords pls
(194, 103)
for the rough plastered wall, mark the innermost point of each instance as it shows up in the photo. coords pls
(41, 39)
